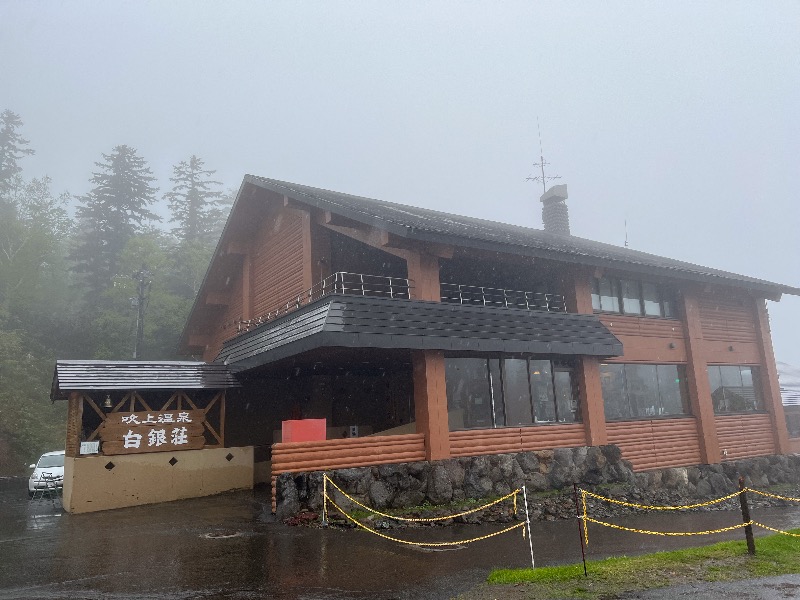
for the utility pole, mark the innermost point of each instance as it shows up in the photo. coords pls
(144, 281)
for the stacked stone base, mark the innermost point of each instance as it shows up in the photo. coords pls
(544, 473)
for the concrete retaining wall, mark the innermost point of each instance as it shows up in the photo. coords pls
(90, 485)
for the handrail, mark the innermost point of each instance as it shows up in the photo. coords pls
(487, 296)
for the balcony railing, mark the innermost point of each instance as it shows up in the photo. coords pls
(359, 284)
(487, 296)
(353, 284)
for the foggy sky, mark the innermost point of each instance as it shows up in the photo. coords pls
(681, 118)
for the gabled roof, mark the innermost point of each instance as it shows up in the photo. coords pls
(435, 226)
(75, 375)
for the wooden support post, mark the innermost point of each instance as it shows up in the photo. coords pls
(770, 388)
(578, 298)
(430, 402)
(72, 446)
(697, 379)
(423, 271)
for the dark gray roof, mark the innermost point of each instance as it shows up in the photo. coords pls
(431, 225)
(372, 322)
(73, 375)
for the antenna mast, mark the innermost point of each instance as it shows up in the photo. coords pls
(541, 164)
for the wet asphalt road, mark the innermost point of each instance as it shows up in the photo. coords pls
(228, 547)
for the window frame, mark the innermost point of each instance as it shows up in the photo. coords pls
(628, 401)
(755, 378)
(666, 297)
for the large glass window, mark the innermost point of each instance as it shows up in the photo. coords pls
(632, 297)
(509, 391)
(633, 391)
(469, 396)
(734, 389)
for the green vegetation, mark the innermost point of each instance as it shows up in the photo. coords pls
(67, 284)
(725, 561)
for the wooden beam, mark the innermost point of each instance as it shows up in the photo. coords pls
(430, 402)
(74, 425)
(236, 248)
(769, 378)
(198, 341)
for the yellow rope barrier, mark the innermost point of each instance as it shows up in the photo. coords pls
(776, 530)
(648, 507)
(669, 533)
(787, 498)
(423, 519)
(585, 517)
(425, 544)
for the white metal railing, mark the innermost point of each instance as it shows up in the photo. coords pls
(360, 284)
(487, 296)
(353, 284)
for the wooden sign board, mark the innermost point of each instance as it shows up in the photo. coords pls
(154, 431)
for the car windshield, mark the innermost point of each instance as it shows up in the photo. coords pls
(46, 462)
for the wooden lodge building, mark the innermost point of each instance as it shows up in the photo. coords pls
(420, 335)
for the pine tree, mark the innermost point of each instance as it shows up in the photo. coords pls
(112, 212)
(193, 202)
(12, 148)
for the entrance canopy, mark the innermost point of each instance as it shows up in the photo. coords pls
(391, 323)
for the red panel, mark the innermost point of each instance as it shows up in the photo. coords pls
(303, 430)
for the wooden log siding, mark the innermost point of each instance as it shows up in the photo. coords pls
(727, 319)
(304, 457)
(232, 312)
(278, 269)
(745, 435)
(301, 457)
(504, 440)
(656, 443)
(647, 339)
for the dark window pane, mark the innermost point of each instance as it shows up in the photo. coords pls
(715, 385)
(652, 299)
(631, 300)
(751, 388)
(516, 392)
(609, 295)
(544, 405)
(468, 393)
(612, 380)
(668, 303)
(671, 390)
(566, 398)
(595, 294)
(641, 385)
(496, 379)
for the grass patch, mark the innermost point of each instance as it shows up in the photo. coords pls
(725, 561)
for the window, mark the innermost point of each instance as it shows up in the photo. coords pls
(734, 389)
(632, 297)
(632, 391)
(509, 392)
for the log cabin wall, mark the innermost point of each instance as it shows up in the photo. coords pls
(225, 326)
(647, 339)
(657, 443)
(506, 440)
(728, 323)
(741, 436)
(279, 261)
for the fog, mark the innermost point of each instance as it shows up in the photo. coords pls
(680, 119)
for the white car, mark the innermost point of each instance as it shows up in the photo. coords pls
(50, 466)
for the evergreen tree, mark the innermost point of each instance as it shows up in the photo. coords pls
(112, 212)
(193, 202)
(12, 148)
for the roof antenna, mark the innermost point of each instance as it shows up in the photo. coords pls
(626, 232)
(541, 164)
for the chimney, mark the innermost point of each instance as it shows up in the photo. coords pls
(555, 214)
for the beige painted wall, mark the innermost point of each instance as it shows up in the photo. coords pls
(149, 478)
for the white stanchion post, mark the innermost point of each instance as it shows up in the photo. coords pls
(324, 499)
(528, 520)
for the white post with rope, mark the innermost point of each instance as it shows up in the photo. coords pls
(528, 520)
(324, 499)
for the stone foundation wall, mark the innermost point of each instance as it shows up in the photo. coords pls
(442, 482)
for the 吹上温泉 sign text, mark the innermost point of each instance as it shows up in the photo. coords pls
(154, 431)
